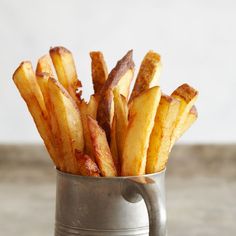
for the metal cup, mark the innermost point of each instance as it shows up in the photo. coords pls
(110, 206)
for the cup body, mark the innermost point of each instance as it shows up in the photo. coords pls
(99, 206)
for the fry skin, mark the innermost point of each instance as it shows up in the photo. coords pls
(101, 150)
(86, 166)
(160, 142)
(99, 71)
(66, 72)
(148, 75)
(141, 120)
(187, 96)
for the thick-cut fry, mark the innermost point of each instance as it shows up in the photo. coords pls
(159, 144)
(187, 97)
(105, 113)
(105, 106)
(190, 119)
(65, 68)
(124, 84)
(44, 65)
(141, 120)
(113, 147)
(86, 109)
(101, 149)
(148, 75)
(69, 123)
(121, 117)
(28, 87)
(99, 71)
(86, 165)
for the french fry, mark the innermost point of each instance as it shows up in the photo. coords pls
(187, 97)
(190, 119)
(105, 113)
(106, 107)
(42, 79)
(101, 149)
(86, 165)
(66, 72)
(121, 117)
(159, 143)
(124, 84)
(113, 147)
(141, 120)
(86, 109)
(44, 65)
(99, 71)
(148, 75)
(69, 123)
(29, 89)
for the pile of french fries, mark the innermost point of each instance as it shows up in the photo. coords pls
(115, 133)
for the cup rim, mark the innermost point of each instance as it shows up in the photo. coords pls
(110, 178)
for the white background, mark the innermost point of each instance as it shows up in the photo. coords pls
(197, 41)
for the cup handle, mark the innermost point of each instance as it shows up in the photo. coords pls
(134, 189)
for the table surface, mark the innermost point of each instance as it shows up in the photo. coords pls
(197, 205)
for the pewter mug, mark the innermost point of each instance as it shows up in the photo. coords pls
(105, 206)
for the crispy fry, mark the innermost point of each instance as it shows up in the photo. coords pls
(105, 113)
(159, 143)
(187, 97)
(190, 119)
(113, 146)
(26, 83)
(105, 106)
(141, 120)
(44, 65)
(69, 123)
(148, 75)
(121, 117)
(99, 71)
(124, 84)
(101, 149)
(86, 109)
(86, 165)
(65, 68)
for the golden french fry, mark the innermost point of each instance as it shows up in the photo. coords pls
(44, 65)
(101, 149)
(113, 147)
(69, 124)
(121, 117)
(190, 119)
(106, 107)
(148, 75)
(66, 72)
(86, 165)
(105, 113)
(99, 71)
(86, 109)
(159, 143)
(42, 79)
(124, 84)
(187, 97)
(29, 89)
(141, 120)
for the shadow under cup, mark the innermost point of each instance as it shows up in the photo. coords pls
(110, 206)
